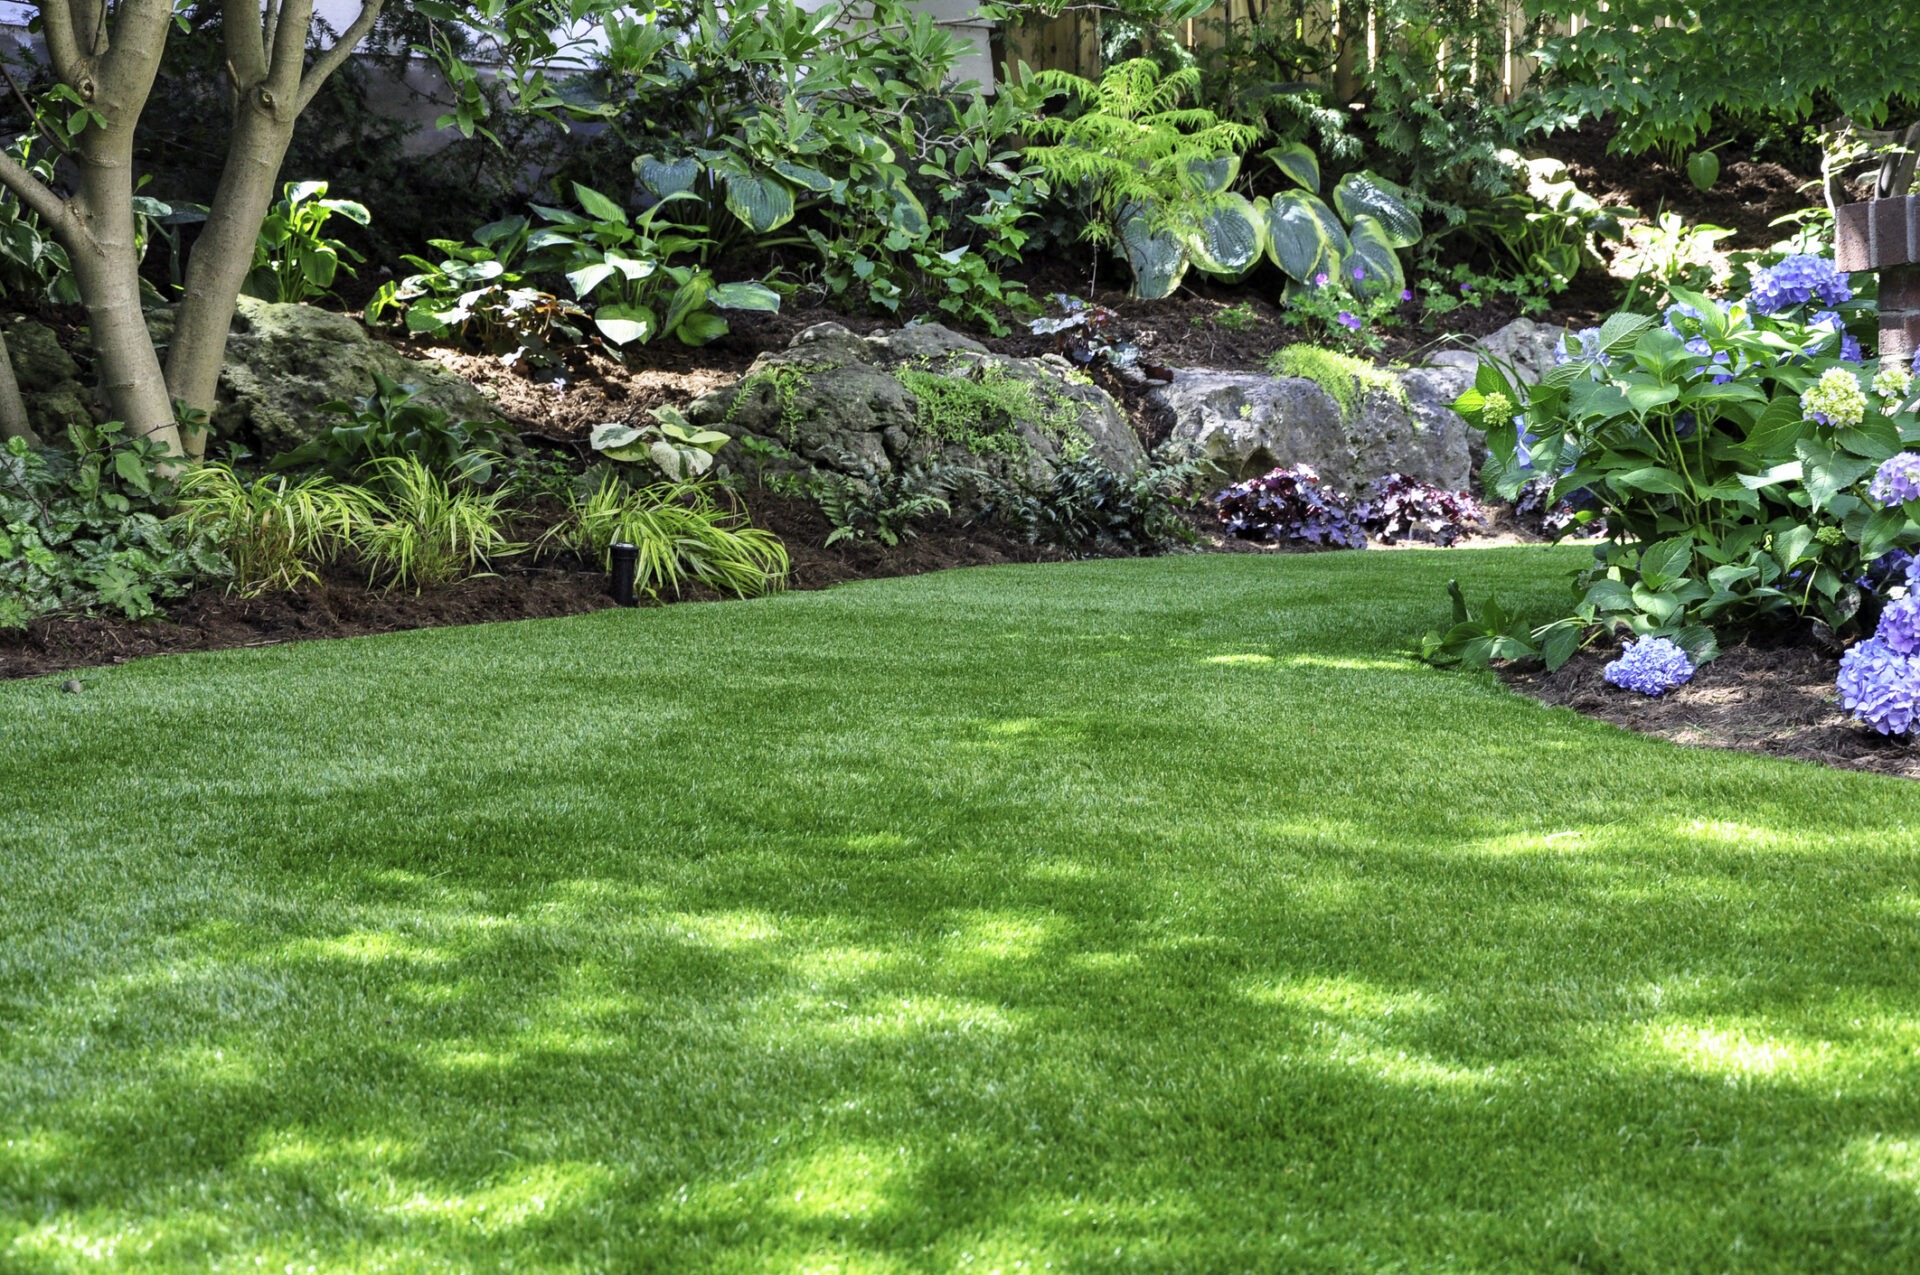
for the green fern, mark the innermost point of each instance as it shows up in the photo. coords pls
(1135, 150)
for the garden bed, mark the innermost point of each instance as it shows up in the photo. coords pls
(1778, 700)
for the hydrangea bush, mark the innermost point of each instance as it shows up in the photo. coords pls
(1744, 468)
(1879, 678)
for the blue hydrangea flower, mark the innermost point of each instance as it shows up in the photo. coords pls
(1589, 353)
(1878, 685)
(1681, 319)
(1885, 571)
(1799, 280)
(1652, 666)
(1898, 480)
(1900, 626)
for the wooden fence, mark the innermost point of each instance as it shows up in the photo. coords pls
(1347, 31)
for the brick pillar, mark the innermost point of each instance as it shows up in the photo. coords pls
(1884, 235)
(1899, 315)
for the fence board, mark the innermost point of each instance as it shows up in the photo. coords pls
(1346, 29)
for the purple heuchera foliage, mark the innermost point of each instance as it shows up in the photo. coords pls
(1652, 666)
(1878, 684)
(1898, 480)
(1799, 280)
(1290, 504)
(1401, 508)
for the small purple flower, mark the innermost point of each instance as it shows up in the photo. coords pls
(1406, 294)
(1320, 280)
(1915, 367)
(1466, 288)
(1347, 320)
(1898, 480)
(1359, 274)
(1652, 666)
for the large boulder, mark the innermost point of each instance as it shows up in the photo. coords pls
(1402, 422)
(284, 361)
(839, 401)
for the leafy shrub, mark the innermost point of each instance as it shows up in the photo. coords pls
(1401, 508)
(1088, 503)
(393, 422)
(681, 533)
(1291, 505)
(273, 530)
(292, 259)
(1879, 681)
(478, 293)
(671, 444)
(1356, 240)
(82, 530)
(1728, 450)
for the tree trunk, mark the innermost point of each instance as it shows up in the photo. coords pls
(13, 411)
(107, 268)
(223, 253)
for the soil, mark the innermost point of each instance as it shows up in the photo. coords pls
(1777, 700)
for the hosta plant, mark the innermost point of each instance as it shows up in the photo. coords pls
(677, 448)
(1357, 238)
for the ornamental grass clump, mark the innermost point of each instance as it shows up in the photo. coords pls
(1291, 504)
(1652, 666)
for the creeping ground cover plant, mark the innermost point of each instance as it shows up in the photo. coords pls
(1747, 468)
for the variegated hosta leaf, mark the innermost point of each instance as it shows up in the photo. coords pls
(1214, 175)
(1157, 257)
(664, 177)
(800, 175)
(1230, 238)
(1299, 163)
(617, 440)
(761, 201)
(625, 324)
(1364, 195)
(744, 296)
(907, 213)
(1304, 238)
(1372, 253)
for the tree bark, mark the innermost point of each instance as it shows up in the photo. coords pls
(13, 410)
(272, 85)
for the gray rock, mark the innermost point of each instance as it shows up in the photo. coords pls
(1530, 347)
(284, 361)
(831, 395)
(1248, 424)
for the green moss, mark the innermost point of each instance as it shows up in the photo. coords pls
(783, 381)
(1347, 380)
(980, 406)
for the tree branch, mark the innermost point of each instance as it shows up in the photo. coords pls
(327, 63)
(37, 195)
(131, 60)
(289, 50)
(39, 122)
(246, 51)
(63, 48)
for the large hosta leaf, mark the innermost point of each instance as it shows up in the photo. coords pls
(1157, 257)
(1304, 237)
(1214, 175)
(664, 177)
(1230, 238)
(800, 175)
(906, 212)
(1371, 253)
(1364, 195)
(625, 324)
(744, 296)
(1298, 162)
(761, 201)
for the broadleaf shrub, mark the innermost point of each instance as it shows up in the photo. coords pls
(1401, 508)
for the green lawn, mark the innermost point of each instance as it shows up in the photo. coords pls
(1133, 915)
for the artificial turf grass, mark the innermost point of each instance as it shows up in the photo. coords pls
(1124, 915)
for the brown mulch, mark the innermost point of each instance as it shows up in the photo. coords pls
(342, 604)
(1777, 700)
